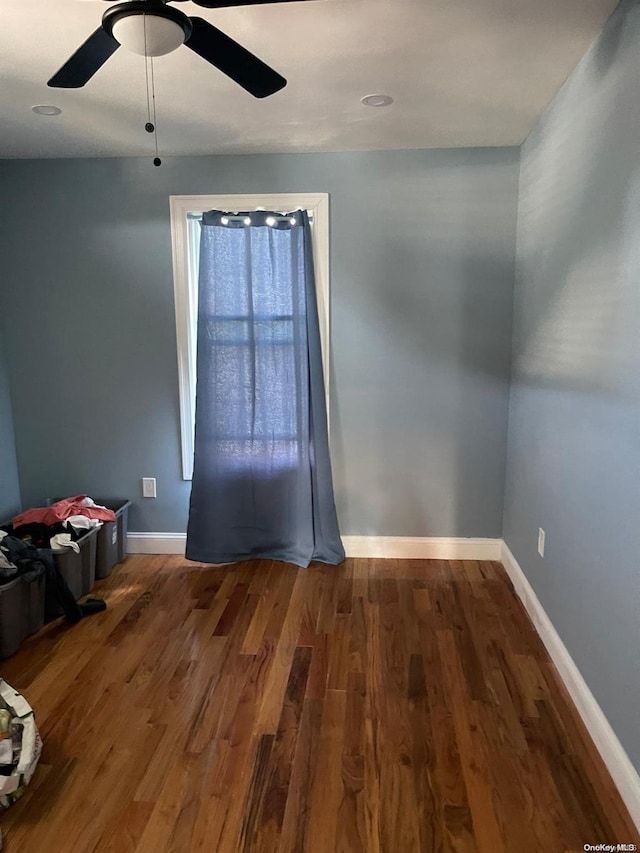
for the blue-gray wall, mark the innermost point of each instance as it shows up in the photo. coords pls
(423, 253)
(574, 430)
(9, 487)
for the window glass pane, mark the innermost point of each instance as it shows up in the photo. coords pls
(273, 311)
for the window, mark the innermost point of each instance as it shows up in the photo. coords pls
(186, 212)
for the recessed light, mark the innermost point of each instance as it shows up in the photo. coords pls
(376, 100)
(46, 110)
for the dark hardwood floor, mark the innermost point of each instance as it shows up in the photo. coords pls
(385, 705)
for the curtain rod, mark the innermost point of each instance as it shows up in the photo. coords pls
(197, 217)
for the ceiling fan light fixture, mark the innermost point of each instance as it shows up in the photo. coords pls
(162, 36)
(147, 31)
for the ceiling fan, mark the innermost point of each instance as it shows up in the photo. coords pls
(153, 28)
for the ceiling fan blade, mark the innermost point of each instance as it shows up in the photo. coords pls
(233, 60)
(223, 4)
(84, 63)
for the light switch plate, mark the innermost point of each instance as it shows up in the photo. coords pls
(148, 487)
(541, 538)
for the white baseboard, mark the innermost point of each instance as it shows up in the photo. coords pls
(398, 547)
(156, 543)
(422, 548)
(622, 771)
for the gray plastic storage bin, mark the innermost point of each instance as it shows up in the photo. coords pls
(21, 612)
(79, 570)
(112, 537)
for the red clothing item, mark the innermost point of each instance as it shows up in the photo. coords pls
(57, 512)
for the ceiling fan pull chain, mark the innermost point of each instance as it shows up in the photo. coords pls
(151, 125)
(148, 126)
(156, 160)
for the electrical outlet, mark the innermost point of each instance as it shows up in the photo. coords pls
(541, 538)
(148, 487)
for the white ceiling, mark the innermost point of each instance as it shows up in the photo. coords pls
(462, 73)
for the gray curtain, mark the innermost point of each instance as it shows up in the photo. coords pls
(262, 482)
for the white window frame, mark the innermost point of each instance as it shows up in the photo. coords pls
(185, 284)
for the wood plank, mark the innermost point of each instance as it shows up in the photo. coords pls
(473, 753)
(339, 653)
(428, 795)
(271, 818)
(298, 808)
(326, 793)
(255, 794)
